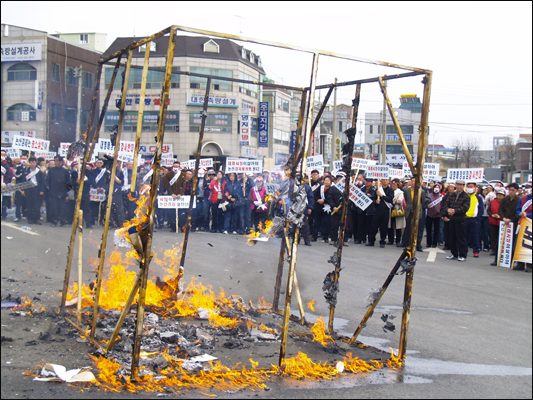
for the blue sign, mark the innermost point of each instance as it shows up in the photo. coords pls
(263, 124)
(396, 138)
(293, 142)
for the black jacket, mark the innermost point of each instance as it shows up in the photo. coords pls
(58, 182)
(371, 209)
(382, 206)
(333, 197)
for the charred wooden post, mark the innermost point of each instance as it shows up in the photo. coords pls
(103, 245)
(294, 251)
(140, 114)
(80, 190)
(346, 168)
(153, 199)
(374, 304)
(279, 274)
(80, 262)
(195, 179)
(422, 145)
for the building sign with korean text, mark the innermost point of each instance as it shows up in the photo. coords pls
(248, 152)
(31, 144)
(215, 122)
(293, 142)
(263, 124)
(466, 174)
(214, 101)
(169, 202)
(149, 118)
(21, 52)
(135, 99)
(244, 131)
(150, 148)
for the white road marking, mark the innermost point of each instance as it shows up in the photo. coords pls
(433, 254)
(12, 225)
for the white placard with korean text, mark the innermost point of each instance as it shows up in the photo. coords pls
(248, 152)
(105, 145)
(241, 166)
(7, 136)
(169, 202)
(47, 155)
(359, 198)
(62, 150)
(396, 173)
(505, 244)
(167, 159)
(95, 196)
(431, 172)
(190, 164)
(465, 174)
(12, 153)
(315, 162)
(377, 172)
(31, 144)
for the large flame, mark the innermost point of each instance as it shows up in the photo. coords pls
(319, 332)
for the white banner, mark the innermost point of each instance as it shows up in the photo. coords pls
(47, 155)
(248, 152)
(167, 159)
(31, 144)
(505, 245)
(95, 196)
(377, 172)
(466, 174)
(105, 146)
(431, 172)
(12, 153)
(169, 202)
(242, 166)
(63, 149)
(190, 164)
(396, 173)
(7, 136)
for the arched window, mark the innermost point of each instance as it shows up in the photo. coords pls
(21, 72)
(21, 112)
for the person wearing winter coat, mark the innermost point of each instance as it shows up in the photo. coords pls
(258, 205)
(216, 198)
(231, 195)
(396, 224)
(433, 216)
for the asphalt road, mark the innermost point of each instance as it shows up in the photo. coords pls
(470, 331)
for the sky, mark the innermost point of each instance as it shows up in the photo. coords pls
(480, 52)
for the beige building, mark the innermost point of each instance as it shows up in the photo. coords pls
(89, 40)
(227, 101)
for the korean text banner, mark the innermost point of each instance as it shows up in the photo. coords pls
(190, 164)
(242, 166)
(377, 172)
(359, 198)
(263, 124)
(505, 247)
(125, 146)
(466, 174)
(523, 251)
(169, 202)
(31, 144)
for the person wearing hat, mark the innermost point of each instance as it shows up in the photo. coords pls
(507, 209)
(473, 218)
(494, 219)
(455, 207)
(382, 198)
(523, 210)
(315, 218)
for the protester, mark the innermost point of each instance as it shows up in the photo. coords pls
(332, 209)
(473, 218)
(365, 217)
(316, 217)
(246, 184)
(100, 182)
(397, 223)
(58, 183)
(523, 210)
(199, 213)
(409, 210)
(433, 216)
(450, 189)
(7, 177)
(34, 195)
(216, 198)
(305, 232)
(494, 220)
(382, 198)
(455, 207)
(258, 205)
(174, 183)
(231, 195)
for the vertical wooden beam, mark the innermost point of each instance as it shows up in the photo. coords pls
(80, 263)
(140, 117)
(294, 251)
(145, 264)
(103, 245)
(422, 144)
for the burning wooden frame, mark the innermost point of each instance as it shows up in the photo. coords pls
(306, 125)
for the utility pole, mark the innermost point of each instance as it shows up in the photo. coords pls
(78, 72)
(336, 140)
(383, 141)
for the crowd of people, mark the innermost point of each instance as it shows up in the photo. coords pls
(457, 216)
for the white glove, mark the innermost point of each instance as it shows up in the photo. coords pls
(223, 205)
(327, 208)
(262, 206)
(258, 203)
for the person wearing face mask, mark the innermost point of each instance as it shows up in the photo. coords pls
(433, 216)
(21, 171)
(473, 218)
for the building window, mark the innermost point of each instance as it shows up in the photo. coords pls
(143, 47)
(55, 72)
(283, 104)
(259, 63)
(21, 112)
(252, 57)
(248, 88)
(211, 47)
(294, 117)
(154, 79)
(55, 112)
(243, 52)
(70, 76)
(70, 115)
(197, 82)
(87, 80)
(84, 38)
(21, 72)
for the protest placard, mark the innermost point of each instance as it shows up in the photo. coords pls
(47, 155)
(523, 250)
(19, 186)
(169, 202)
(431, 172)
(466, 174)
(190, 164)
(315, 162)
(377, 172)
(62, 150)
(12, 153)
(95, 196)
(505, 247)
(396, 173)
(31, 144)
(359, 198)
(271, 188)
(104, 145)
(241, 165)
(167, 159)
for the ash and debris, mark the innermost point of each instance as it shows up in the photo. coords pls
(407, 265)
(372, 296)
(330, 288)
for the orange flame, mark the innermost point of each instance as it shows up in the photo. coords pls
(310, 305)
(319, 332)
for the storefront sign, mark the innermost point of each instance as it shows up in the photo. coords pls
(214, 101)
(263, 124)
(21, 52)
